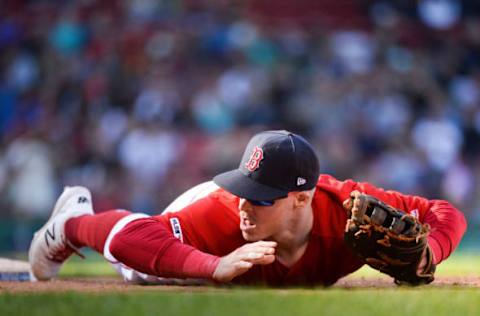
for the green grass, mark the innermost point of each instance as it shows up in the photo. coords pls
(418, 301)
(424, 300)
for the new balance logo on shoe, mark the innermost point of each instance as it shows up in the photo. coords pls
(82, 199)
(50, 234)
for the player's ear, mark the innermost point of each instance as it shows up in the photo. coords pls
(302, 199)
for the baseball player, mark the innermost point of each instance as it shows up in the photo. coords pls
(274, 221)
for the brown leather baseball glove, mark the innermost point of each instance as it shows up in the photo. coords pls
(388, 239)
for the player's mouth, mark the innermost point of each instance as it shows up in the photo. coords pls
(246, 224)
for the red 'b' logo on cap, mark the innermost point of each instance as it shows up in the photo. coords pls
(254, 162)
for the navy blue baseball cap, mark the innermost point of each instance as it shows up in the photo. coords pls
(273, 164)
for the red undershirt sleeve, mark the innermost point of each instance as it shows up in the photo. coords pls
(448, 226)
(447, 223)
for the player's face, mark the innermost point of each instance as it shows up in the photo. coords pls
(264, 222)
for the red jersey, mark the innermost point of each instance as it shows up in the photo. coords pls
(211, 224)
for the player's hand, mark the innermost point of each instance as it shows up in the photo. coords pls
(242, 259)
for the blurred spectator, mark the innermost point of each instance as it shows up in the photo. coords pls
(440, 140)
(439, 14)
(148, 152)
(32, 183)
(458, 184)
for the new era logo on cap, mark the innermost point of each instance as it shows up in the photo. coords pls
(301, 181)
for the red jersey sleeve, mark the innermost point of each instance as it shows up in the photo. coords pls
(447, 223)
(149, 247)
(210, 224)
(183, 244)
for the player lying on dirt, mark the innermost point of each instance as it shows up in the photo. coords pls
(274, 221)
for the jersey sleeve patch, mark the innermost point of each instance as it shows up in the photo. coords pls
(176, 228)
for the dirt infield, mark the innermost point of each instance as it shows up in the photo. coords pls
(111, 284)
(384, 282)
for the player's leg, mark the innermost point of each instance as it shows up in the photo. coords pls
(71, 226)
(92, 230)
(96, 232)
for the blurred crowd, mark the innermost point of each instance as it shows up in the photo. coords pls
(141, 99)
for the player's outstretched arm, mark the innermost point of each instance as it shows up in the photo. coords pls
(166, 256)
(243, 258)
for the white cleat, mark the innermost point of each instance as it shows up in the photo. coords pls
(50, 247)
